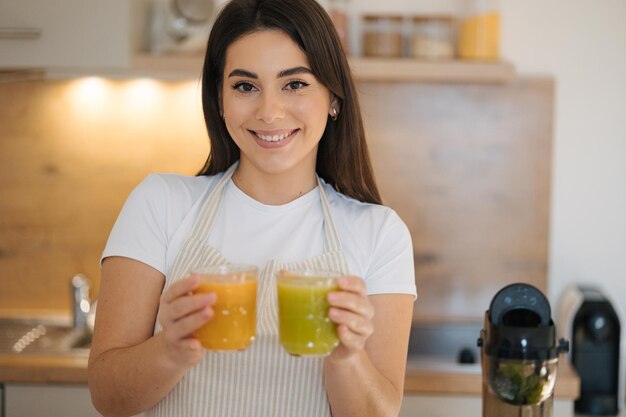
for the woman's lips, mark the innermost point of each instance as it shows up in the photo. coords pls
(273, 139)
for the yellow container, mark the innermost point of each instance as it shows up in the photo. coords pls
(479, 31)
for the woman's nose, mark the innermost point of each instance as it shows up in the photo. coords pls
(271, 107)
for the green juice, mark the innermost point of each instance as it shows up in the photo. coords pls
(304, 326)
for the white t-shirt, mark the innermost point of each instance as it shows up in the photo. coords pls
(158, 216)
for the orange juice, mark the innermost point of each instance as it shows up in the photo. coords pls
(479, 37)
(304, 326)
(232, 326)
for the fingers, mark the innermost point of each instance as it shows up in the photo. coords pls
(353, 313)
(181, 313)
(186, 326)
(180, 288)
(353, 284)
(186, 305)
(353, 297)
(354, 323)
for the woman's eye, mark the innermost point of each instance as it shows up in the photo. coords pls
(296, 85)
(244, 87)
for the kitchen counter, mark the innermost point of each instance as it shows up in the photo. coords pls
(43, 368)
(421, 376)
(434, 377)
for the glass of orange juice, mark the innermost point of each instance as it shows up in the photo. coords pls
(232, 326)
(303, 322)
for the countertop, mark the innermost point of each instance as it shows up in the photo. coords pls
(448, 378)
(421, 376)
(43, 368)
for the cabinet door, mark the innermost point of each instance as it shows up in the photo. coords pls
(65, 33)
(43, 400)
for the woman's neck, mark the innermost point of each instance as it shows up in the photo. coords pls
(274, 188)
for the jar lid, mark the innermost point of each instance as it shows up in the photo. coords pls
(382, 17)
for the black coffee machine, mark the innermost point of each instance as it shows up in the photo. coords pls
(520, 354)
(589, 320)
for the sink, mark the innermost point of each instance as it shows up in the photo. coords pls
(25, 336)
(445, 347)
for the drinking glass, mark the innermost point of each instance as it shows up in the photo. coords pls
(304, 325)
(232, 326)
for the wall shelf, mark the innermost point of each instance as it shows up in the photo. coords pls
(454, 71)
(365, 69)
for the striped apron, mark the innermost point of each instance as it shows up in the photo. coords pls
(263, 380)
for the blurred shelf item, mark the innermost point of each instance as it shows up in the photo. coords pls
(433, 37)
(382, 36)
(479, 30)
(364, 69)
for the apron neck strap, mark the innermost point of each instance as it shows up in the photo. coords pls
(204, 222)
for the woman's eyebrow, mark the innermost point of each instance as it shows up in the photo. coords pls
(294, 71)
(242, 73)
(284, 73)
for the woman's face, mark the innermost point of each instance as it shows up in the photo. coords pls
(273, 106)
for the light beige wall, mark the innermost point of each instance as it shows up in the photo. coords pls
(582, 44)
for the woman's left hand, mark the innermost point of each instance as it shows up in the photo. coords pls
(352, 310)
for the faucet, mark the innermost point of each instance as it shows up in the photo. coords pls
(80, 300)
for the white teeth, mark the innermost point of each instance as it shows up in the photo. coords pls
(272, 138)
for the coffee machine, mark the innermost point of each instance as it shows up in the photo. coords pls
(587, 317)
(520, 354)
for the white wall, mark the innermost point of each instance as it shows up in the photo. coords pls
(582, 44)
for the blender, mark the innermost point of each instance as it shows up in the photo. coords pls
(519, 354)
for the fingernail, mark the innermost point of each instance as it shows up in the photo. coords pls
(332, 296)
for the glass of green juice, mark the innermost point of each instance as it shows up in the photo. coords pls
(303, 323)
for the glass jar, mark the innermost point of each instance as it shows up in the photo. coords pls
(338, 10)
(382, 36)
(479, 30)
(433, 37)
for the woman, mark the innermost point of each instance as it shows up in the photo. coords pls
(280, 107)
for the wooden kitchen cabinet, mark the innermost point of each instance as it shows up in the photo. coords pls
(42, 400)
(33, 400)
(65, 34)
(433, 405)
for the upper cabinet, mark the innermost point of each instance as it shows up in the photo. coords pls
(65, 34)
(93, 37)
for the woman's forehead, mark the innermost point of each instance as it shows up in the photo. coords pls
(269, 51)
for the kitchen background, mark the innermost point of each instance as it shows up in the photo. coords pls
(579, 45)
(582, 45)
(550, 142)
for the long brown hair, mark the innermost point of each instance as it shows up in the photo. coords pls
(342, 158)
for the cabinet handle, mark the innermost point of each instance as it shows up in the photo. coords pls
(20, 33)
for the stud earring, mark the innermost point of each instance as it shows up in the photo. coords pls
(334, 116)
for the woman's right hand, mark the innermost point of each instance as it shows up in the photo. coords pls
(181, 313)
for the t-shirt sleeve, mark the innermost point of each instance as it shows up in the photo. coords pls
(391, 269)
(140, 229)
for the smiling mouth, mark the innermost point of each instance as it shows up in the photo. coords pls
(274, 138)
